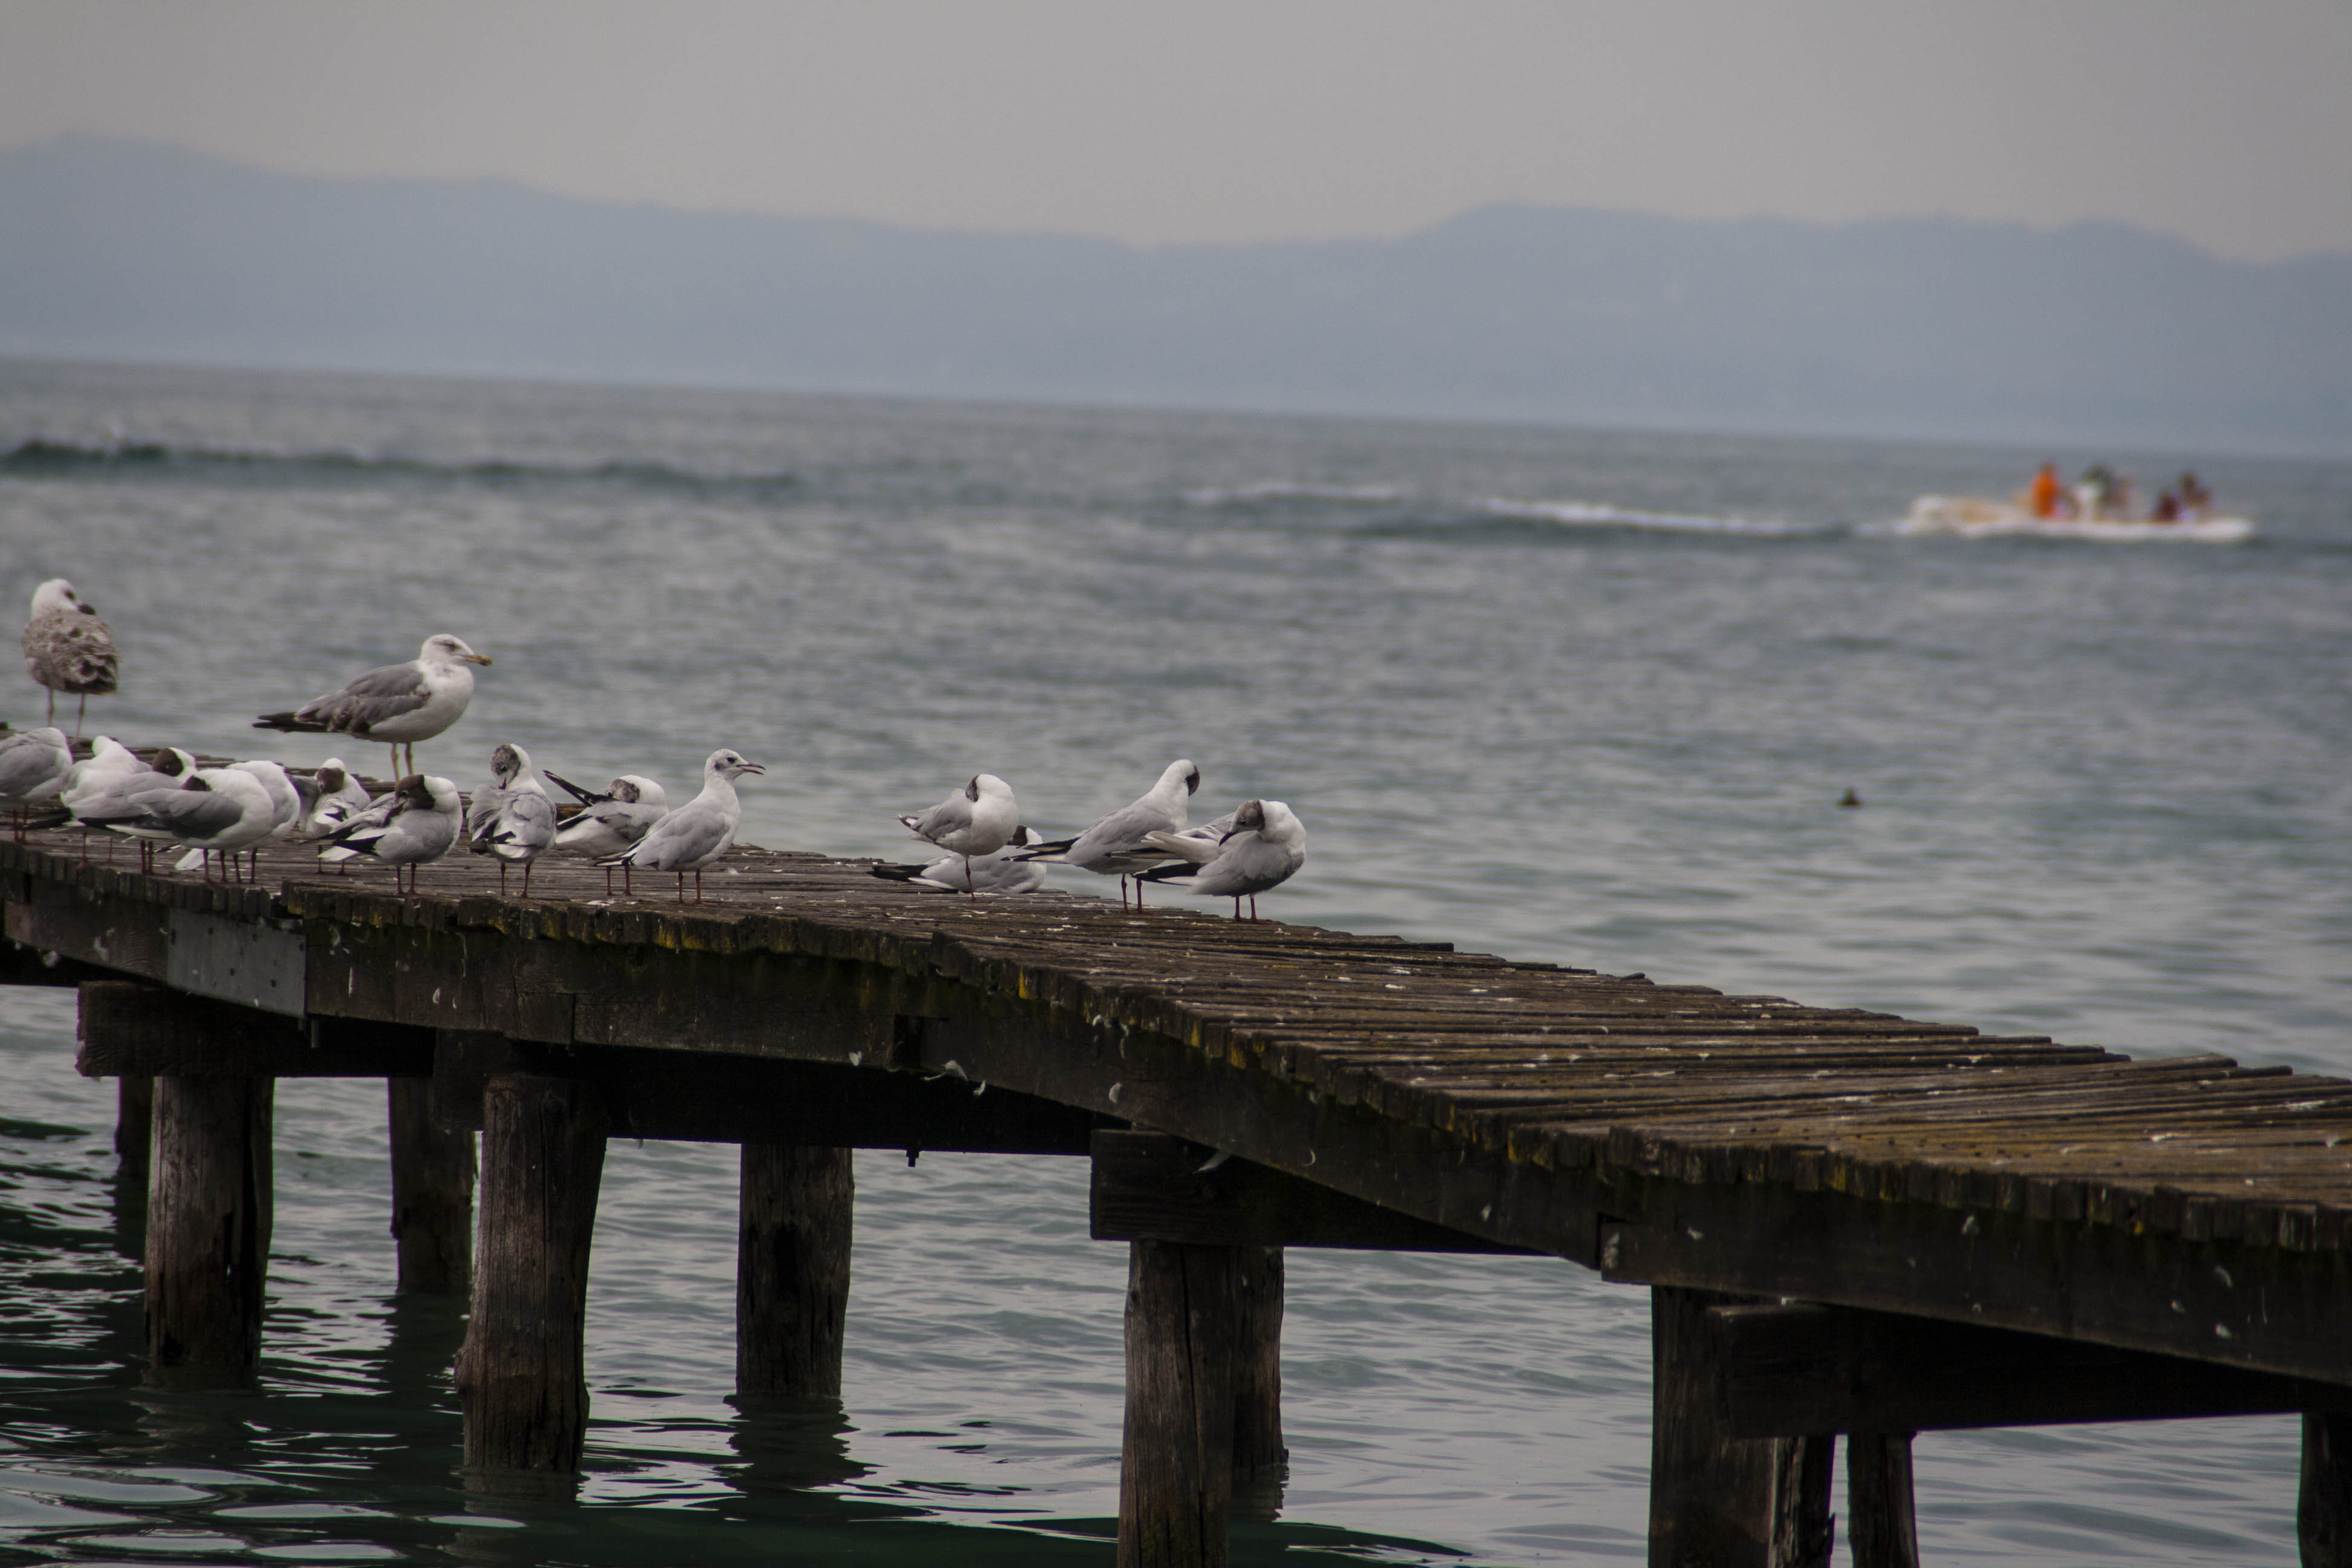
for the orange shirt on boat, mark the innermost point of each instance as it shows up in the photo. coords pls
(2045, 491)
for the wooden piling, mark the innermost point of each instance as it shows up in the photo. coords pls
(1879, 1525)
(1261, 1462)
(1711, 1495)
(209, 1217)
(792, 1271)
(1184, 1314)
(1803, 1530)
(520, 1373)
(2323, 1514)
(432, 1193)
(134, 1121)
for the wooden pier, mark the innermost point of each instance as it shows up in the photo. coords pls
(1852, 1222)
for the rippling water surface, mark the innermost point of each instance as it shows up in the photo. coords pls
(1567, 695)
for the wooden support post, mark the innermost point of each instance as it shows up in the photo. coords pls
(1803, 1530)
(2322, 1515)
(1879, 1525)
(432, 1193)
(1711, 1494)
(134, 1121)
(520, 1373)
(208, 1213)
(792, 1271)
(1261, 1463)
(1176, 1466)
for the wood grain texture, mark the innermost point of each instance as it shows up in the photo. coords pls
(792, 1271)
(1184, 1313)
(1261, 1461)
(1711, 1495)
(2322, 1515)
(1880, 1527)
(209, 1202)
(519, 1374)
(432, 1193)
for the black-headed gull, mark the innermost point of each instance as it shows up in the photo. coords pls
(417, 822)
(1264, 847)
(697, 833)
(1118, 845)
(1004, 871)
(977, 820)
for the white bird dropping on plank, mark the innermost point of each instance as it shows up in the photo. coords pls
(414, 826)
(697, 833)
(1116, 846)
(1006, 871)
(33, 768)
(512, 819)
(610, 822)
(1266, 847)
(397, 704)
(977, 820)
(67, 649)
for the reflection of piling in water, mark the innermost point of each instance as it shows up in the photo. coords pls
(791, 1444)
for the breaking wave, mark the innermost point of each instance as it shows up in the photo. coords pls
(1601, 514)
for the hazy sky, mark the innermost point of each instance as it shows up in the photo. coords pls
(2230, 123)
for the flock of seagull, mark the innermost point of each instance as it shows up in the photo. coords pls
(215, 816)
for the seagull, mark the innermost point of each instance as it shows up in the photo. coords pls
(416, 823)
(88, 797)
(697, 833)
(1115, 846)
(218, 811)
(977, 820)
(331, 798)
(1006, 871)
(67, 649)
(1265, 845)
(610, 822)
(512, 819)
(33, 768)
(398, 704)
(285, 809)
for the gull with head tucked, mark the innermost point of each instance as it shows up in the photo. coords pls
(697, 833)
(397, 704)
(977, 820)
(1265, 846)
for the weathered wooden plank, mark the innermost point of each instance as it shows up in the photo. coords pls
(1711, 1494)
(1149, 1186)
(135, 1027)
(2322, 1515)
(1794, 1369)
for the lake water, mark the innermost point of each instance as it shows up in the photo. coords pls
(2108, 797)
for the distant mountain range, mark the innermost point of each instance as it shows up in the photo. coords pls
(2093, 334)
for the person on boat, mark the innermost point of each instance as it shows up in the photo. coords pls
(2195, 500)
(2094, 490)
(2168, 508)
(2044, 497)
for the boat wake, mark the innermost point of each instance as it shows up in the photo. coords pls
(1276, 491)
(1973, 517)
(1601, 514)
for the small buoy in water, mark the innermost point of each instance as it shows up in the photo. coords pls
(1850, 798)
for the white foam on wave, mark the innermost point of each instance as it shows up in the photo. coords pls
(1294, 489)
(1601, 514)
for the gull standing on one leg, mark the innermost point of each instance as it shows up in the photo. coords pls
(697, 833)
(67, 649)
(610, 822)
(396, 704)
(977, 820)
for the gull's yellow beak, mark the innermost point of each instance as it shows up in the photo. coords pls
(476, 657)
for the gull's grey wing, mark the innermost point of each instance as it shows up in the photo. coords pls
(24, 763)
(72, 651)
(950, 816)
(380, 694)
(1123, 834)
(1249, 865)
(197, 813)
(684, 836)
